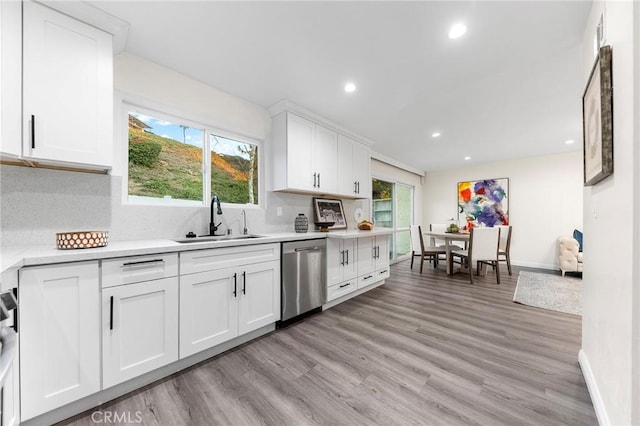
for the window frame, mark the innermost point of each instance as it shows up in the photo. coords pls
(176, 117)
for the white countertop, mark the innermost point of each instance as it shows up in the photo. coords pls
(15, 258)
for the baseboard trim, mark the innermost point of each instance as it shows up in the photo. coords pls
(549, 266)
(594, 392)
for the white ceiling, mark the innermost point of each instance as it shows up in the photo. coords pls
(510, 87)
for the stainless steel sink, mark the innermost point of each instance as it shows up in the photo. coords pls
(210, 238)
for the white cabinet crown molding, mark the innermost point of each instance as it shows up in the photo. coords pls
(288, 106)
(95, 17)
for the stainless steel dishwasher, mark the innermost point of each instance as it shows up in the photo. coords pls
(303, 277)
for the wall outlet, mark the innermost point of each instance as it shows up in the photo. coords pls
(278, 211)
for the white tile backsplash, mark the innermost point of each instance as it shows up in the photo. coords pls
(37, 203)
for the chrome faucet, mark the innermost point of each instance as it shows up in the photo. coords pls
(245, 231)
(212, 225)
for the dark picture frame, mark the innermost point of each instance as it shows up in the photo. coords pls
(597, 120)
(329, 210)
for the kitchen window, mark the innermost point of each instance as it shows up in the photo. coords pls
(173, 161)
(393, 208)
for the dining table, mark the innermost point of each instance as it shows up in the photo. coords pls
(448, 237)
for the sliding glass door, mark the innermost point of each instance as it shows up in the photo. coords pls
(392, 207)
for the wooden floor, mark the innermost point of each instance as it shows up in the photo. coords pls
(422, 349)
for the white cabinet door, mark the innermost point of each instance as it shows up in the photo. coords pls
(354, 175)
(139, 329)
(10, 79)
(346, 183)
(67, 89)
(335, 261)
(350, 268)
(362, 170)
(325, 158)
(259, 296)
(341, 260)
(208, 309)
(366, 255)
(382, 252)
(300, 135)
(10, 396)
(59, 335)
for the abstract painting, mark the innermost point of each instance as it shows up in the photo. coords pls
(483, 202)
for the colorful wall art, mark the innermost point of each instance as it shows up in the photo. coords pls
(483, 202)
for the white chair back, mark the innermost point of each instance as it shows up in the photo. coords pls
(505, 237)
(416, 240)
(484, 243)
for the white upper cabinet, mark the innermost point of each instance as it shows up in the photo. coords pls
(10, 75)
(309, 152)
(354, 164)
(67, 90)
(313, 159)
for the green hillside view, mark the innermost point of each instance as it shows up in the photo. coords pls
(175, 170)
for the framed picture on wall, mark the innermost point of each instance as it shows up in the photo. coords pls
(597, 120)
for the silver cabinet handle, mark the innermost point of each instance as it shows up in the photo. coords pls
(347, 257)
(314, 180)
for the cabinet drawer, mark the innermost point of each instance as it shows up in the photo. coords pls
(382, 274)
(341, 289)
(195, 261)
(368, 279)
(134, 269)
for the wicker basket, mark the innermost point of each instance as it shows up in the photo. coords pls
(81, 239)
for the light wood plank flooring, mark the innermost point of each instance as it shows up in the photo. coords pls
(422, 349)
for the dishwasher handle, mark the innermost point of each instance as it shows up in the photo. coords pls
(307, 249)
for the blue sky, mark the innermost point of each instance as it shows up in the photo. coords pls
(192, 136)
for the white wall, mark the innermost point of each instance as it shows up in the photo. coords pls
(611, 234)
(545, 201)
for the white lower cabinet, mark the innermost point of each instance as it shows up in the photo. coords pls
(139, 328)
(355, 263)
(373, 259)
(259, 298)
(208, 310)
(10, 396)
(341, 260)
(223, 303)
(59, 335)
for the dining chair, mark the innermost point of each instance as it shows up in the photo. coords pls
(504, 251)
(418, 248)
(483, 248)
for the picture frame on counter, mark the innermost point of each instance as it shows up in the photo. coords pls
(329, 210)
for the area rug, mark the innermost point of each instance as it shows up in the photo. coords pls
(551, 292)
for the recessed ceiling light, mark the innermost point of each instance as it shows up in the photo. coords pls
(457, 30)
(349, 87)
(435, 134)
(569, 142)
(467, 158)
